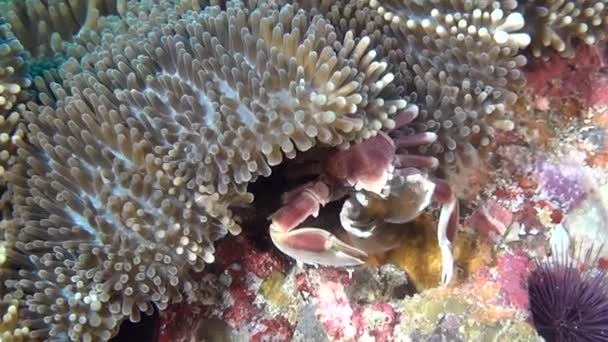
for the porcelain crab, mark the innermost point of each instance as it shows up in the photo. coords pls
(385, 188)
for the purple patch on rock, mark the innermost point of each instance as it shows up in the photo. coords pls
(568, 185)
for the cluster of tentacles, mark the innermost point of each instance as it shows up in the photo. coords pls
(131, 129)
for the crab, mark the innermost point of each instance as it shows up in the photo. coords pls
(384, 188)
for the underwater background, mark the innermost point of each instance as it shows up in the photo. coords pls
(275, 170)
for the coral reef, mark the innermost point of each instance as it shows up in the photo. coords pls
(490, 305)
(132, 132)
(585, 223)
(267, 296)
(555, 78)
(253, 293)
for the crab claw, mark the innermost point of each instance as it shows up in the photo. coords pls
(316, 246)
(299, 204)
(310, 245)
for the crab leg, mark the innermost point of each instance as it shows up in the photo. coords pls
(402, 141)
(416, 161)
(446, 227)
(415, 140)
(409, 193)
(406, 116)
(310, 245)
(441, 192)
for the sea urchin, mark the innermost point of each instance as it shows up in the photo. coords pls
(569, 300)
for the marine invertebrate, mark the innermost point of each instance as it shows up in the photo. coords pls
(43, 26)
(13, 80)
(13, 69)
(569, 299)
(10, 330)
(460, 61)
(350, 15)
(558, 24)
(386, 197)
(132, 164)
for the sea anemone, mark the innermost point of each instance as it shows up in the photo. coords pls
(13, 83)
(44, 26)
(10, 329)
(348, 15)
(133, 161)
(558, 24)
(569, 300)
(460, 63)
(13, 69)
